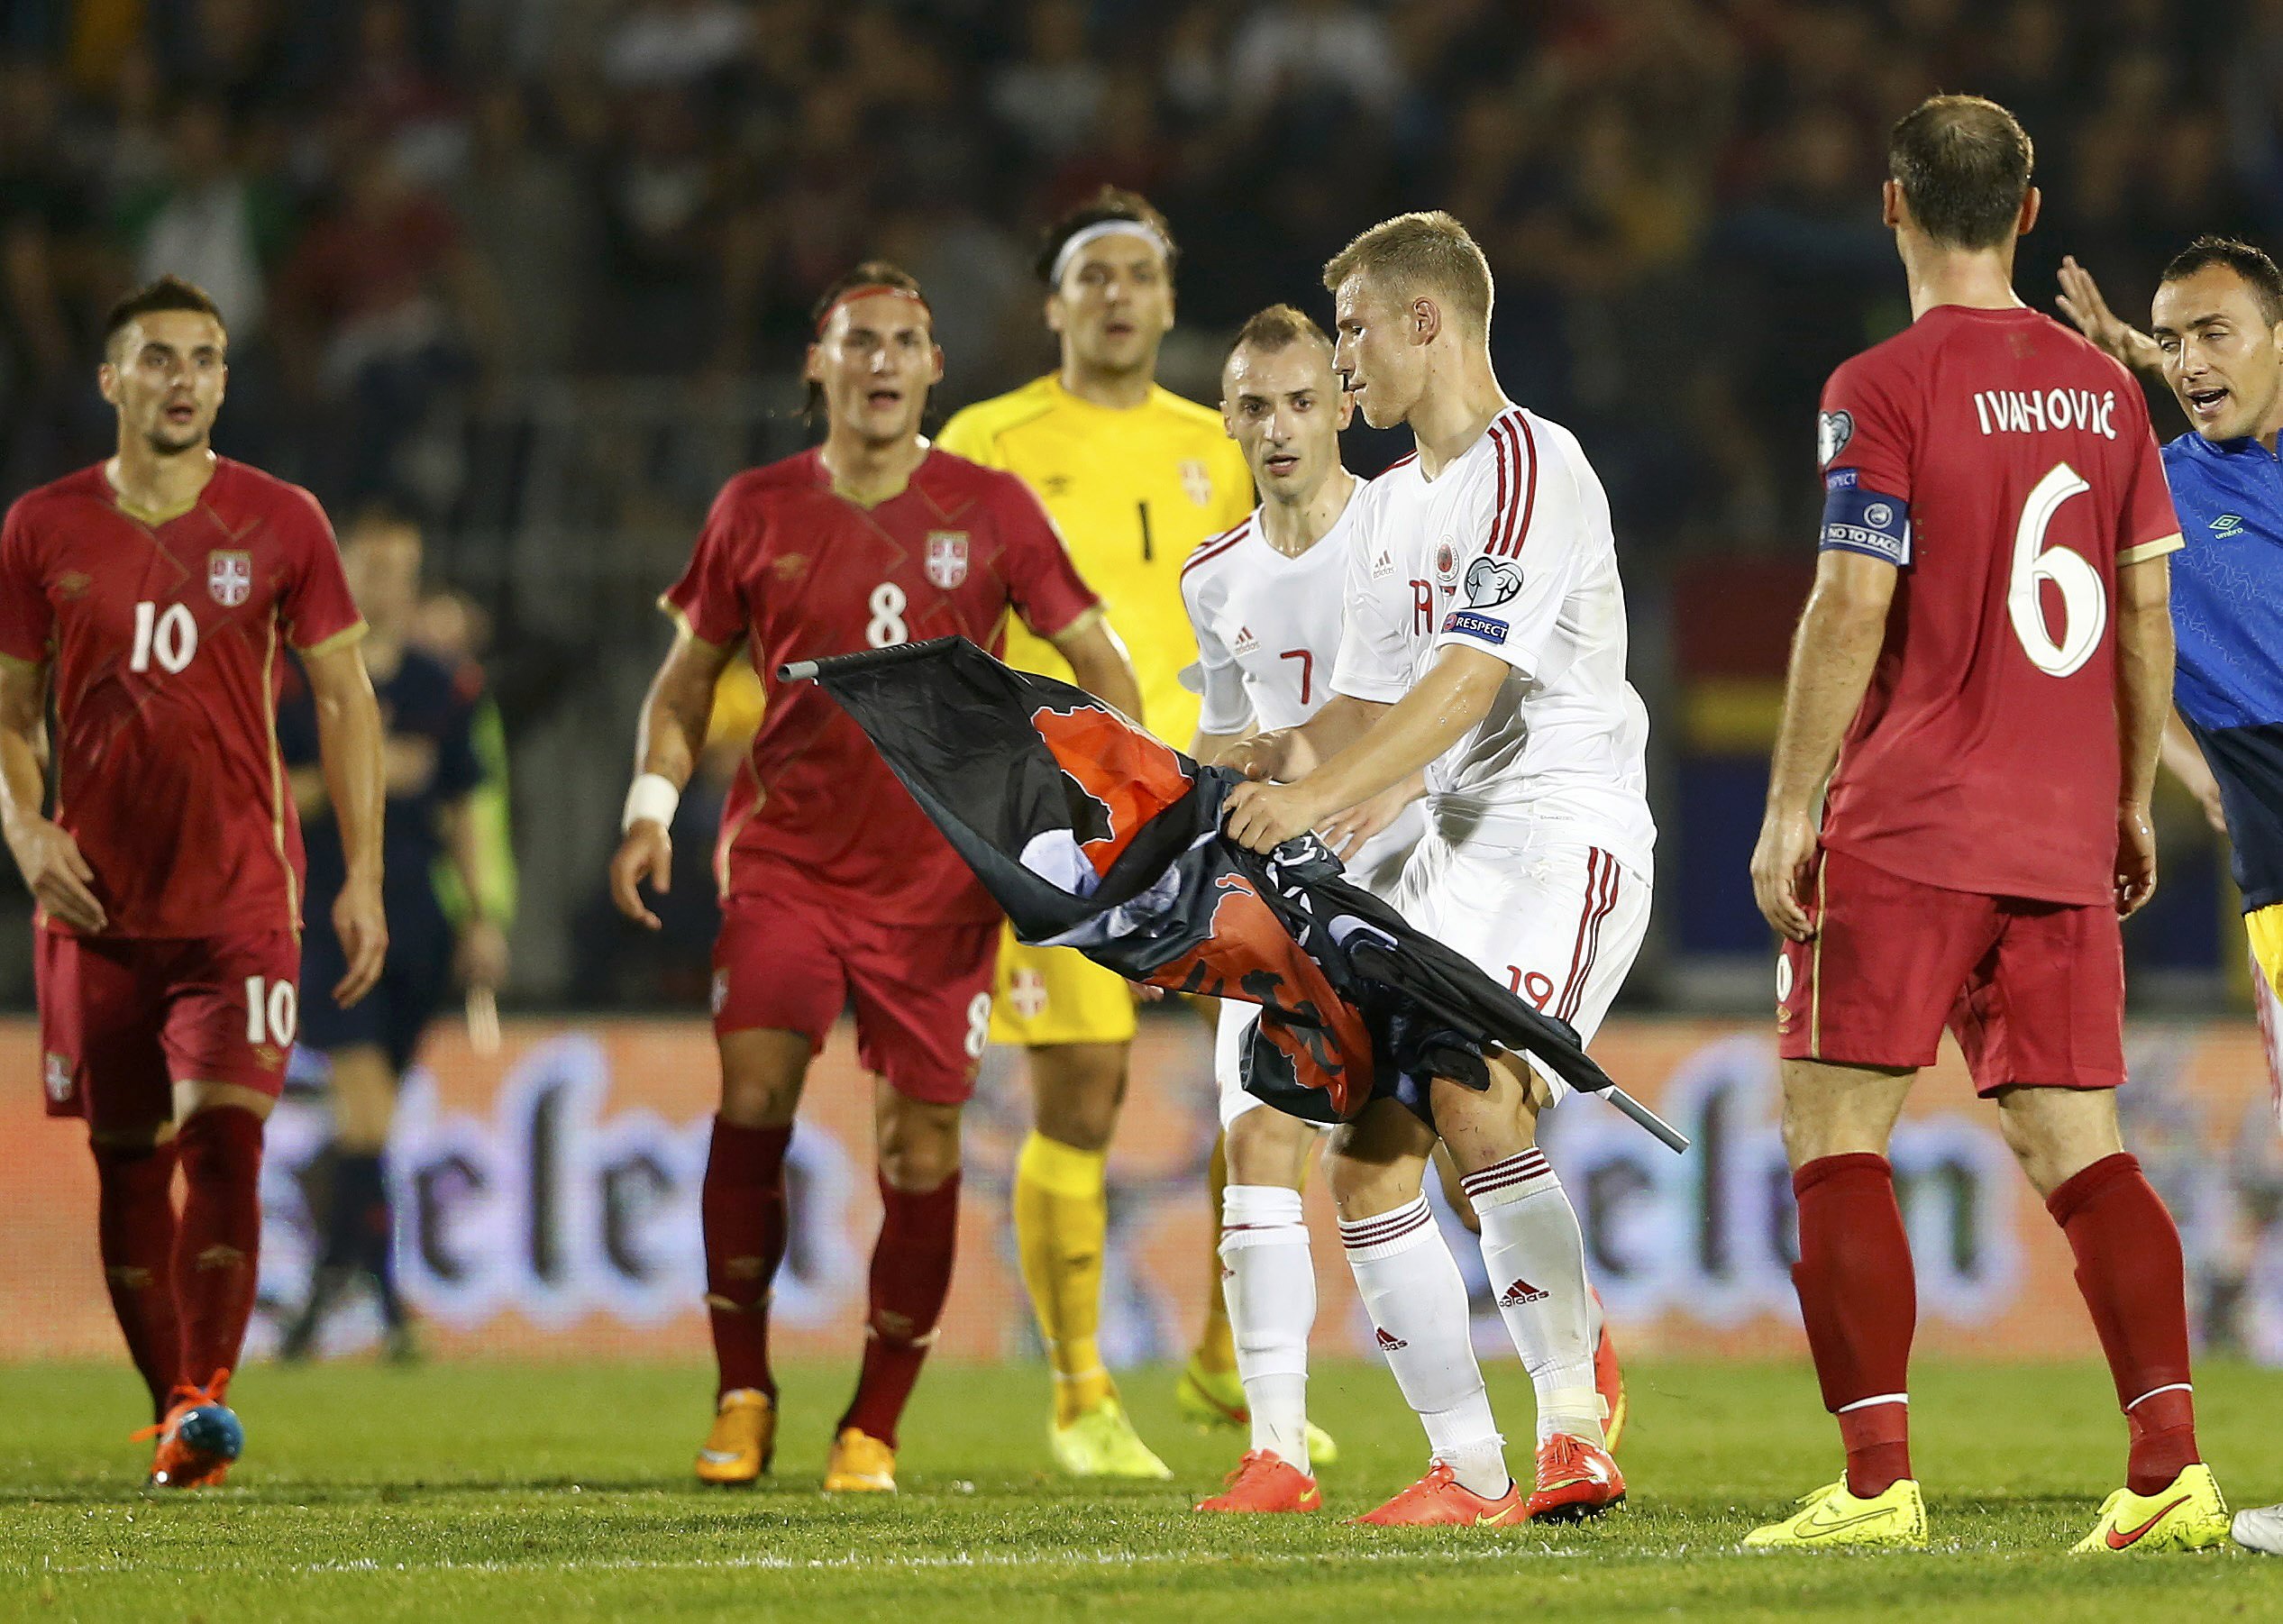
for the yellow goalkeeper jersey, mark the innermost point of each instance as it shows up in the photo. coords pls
(1133, 493)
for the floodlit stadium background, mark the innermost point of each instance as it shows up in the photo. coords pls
(537, 273)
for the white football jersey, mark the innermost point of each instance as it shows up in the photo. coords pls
(1268, 631)
(1508, 552)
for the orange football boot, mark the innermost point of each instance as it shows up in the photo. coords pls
(1576, 1480)
(1264, 1481)
(195, 1455)
(1609, 1382)
(1439, 1499)
(742, 1441)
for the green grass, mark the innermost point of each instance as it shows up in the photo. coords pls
(499, 1493)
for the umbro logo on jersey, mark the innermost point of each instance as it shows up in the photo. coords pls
(1244, 641)
(1387, 1342)
(2228, 526)
(1521, 1294)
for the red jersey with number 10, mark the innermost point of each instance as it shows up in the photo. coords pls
(167, 640)
(796, 570)
(1985, 757)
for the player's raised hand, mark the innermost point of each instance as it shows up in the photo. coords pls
(2082, 303)
(362, 923)
(58, 875)
(2135, 860)
(1781, 863)
(646, 856)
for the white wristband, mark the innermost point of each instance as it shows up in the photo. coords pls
(653, 796)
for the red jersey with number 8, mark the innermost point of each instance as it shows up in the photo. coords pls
(795, 571)
(2007, 468)
(167, 639)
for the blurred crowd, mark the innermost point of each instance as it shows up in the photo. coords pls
(408, 207)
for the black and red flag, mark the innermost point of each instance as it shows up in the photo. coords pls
(1093, 835)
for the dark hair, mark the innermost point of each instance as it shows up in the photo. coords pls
(870, 273)
(1110, 203)
(1278, 327)
(168, 293)
(2256, 269)
(1963, 164)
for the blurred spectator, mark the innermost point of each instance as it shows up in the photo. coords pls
(1049, 97)
(664, 44)
(1296, 53)
(207, 221)
(382, 309)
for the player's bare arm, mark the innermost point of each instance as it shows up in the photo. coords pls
(2143, 705)
(480, 960)
(2080, 300)
(1289, 752)
(675, 717)
(2183, 758)
(53, 869)
(1417, 729)
(1832, 654)
(350, 745)
(1100, 662)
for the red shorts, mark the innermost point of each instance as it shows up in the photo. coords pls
(921, 992)
(124, 1018)
(2034, 991)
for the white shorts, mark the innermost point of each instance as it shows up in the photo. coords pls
(1559, 923)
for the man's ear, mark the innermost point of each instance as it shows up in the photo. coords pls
(1427, 321)
(1891, 213)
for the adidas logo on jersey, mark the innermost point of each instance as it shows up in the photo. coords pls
(1244, 641)
(1384, 565)
(1387, 1342)
(1521, 1294)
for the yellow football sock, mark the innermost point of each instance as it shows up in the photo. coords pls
(1062, 1221)
(1216, 1343)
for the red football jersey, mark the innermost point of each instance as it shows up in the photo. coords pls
(797, 571)
(166, 641)
(2008, 467)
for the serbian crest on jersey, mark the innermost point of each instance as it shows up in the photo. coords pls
(1197, 483)
(230, 578)
(947, 557)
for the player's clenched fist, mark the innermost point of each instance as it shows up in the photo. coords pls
(1780, 865)
(58, 875)
(646, 856)
(1263, 816)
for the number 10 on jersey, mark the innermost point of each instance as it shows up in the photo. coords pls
(171, 638)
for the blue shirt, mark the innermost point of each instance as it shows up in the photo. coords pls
(2227, 617)
(426, 699)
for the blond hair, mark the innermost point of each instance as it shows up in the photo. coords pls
(1429, 252)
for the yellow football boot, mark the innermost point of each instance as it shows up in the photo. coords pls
(1102, 1442)
(1832, 1517)
(1216, 1398)
(2186, 1515)
(743, 1439)
(860, 1463)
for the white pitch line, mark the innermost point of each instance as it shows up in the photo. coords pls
(852, 1562)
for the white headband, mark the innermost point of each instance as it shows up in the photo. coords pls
(1096, 233)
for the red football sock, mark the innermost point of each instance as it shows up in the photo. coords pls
(743, 1209)
(2128, 1268)
(135, 1231)
(1859, 1300)
(218, 1242)
(910, 1274)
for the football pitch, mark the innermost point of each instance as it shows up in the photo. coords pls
(503, 1492)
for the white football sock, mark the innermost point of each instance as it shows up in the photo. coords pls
(1535, 1254)
(1270, 1284)
(1410, 1286)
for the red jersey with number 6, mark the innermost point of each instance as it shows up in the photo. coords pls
(167, 641)
(2006, 467)
(796, 570)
